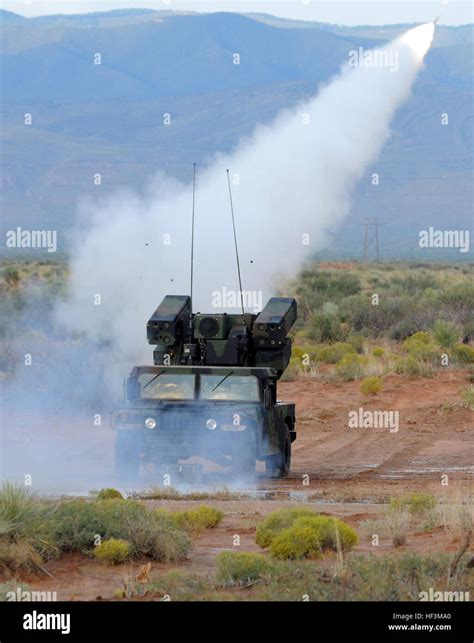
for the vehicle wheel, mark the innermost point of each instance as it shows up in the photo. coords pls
(278, 465)
(127, 460)
(244, 456)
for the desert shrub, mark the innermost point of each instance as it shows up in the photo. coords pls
(369, 577)
(24, 518)
(464, 353)
(318, 286)
(334, 352)
(296, 542)
(467, 396)
(276, 522)
(357, 341)
(11, 275)
(19, 556)
(404, 329)
(415, 502)
(445, 333)
(109, 494)
(371, 385)
(149, 533)
(325, 325)
(351, 367)
(333, 533)
(421, 347)
(240, 567)
(199, 519)
(112, 552)
(178, 584)
(459, 299)
(378, 351)
(413, 365)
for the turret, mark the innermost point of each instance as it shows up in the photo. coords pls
(222, 339)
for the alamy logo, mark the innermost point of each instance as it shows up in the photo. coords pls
(387, 58)
(38, 621)
(20, 238)
(26, 596)
(432, 238)
(361, 419)
(431, 595)
(225, 298)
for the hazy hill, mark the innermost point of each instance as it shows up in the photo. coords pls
(108, 118)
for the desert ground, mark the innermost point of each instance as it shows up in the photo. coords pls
(336, 470)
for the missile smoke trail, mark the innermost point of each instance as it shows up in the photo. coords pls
(292, 178)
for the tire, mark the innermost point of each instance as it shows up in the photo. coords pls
(244, 456)
(278, 465)
(127, 457)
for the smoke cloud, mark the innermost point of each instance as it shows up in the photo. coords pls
(292, 183)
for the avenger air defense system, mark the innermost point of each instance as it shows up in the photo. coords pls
(212, 389)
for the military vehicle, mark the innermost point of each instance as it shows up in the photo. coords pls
(212, 391)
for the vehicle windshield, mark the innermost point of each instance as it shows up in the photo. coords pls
(230, 387)
(166, 386)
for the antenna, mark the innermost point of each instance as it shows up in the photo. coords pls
(235, 241)
(192, 233)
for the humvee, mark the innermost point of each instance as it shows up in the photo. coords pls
(212, 391)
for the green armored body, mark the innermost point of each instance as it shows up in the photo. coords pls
(212, 391)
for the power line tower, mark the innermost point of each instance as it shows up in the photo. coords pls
(371, 237)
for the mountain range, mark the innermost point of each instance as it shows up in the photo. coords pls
(107, 118)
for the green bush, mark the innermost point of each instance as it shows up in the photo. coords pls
(445, 334)
(109, 494)
(199, 519)
(467, 396)
(464, 353)
(378, 351)
(276, 521)
(415, 502)
(334, 352)
(25, 519)
(149, 533)
(11, 275)
(333, 533)
(418, 338)
(240, 567)
(296, 542)
(351, 367)
(325, 325)
(112, 552)
(413, 365)
(371, 385)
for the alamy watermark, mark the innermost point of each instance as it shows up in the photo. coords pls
(432, 238)
(361, 419)
(432, 595)
(45, 239)
(386, 58)
(21, 595)
(226, 298)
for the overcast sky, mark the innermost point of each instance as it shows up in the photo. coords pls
(350, 12)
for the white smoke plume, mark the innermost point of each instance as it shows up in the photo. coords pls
(295, 177)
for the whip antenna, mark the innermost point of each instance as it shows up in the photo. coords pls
(192, 233)
(235, 241)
